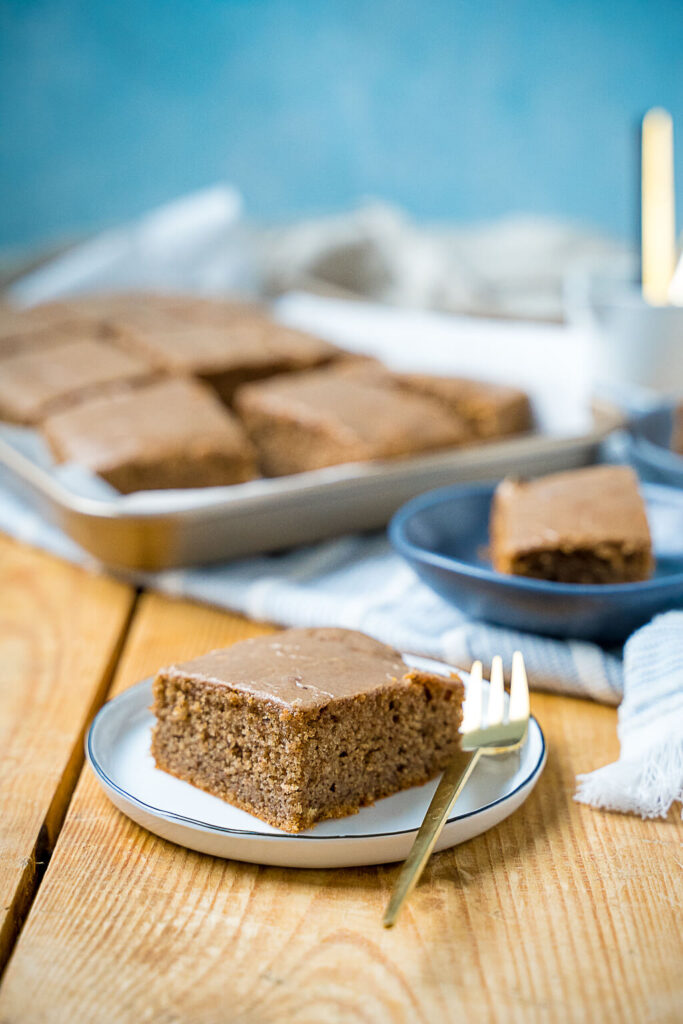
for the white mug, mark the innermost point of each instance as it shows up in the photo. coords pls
(630, 342)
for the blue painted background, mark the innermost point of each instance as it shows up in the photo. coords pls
(453, 109)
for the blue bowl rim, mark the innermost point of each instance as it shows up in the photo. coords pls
(442, 495)
(657, 455)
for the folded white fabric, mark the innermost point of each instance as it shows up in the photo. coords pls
(511, 267)
(191, 244)
(648, 777)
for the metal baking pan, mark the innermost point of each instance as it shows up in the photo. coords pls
(220, 523)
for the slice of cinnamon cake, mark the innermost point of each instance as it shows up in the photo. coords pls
(584, 525)
(304, 725)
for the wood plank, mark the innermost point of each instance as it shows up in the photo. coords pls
(559, 914)
(60, 630)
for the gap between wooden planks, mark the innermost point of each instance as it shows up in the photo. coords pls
(60, 635)
(558, 914)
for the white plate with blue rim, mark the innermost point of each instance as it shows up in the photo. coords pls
(118, 750)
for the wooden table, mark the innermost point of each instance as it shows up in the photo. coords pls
(559, 914)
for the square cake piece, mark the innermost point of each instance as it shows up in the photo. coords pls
(121, 312)
(225, 357)
(304, 725)
(488, 410)
(145, 308)
(105, 306)
(35, 383)
(581, 526)
(221, 312)
(23, 330)
(171, 433)
(110, 311)
(308, 421)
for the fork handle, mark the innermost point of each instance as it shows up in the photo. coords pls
(447, 792)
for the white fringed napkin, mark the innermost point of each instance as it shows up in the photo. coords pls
(648, 777)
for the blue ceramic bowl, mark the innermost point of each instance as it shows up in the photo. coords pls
(444, 537)
(649, 447)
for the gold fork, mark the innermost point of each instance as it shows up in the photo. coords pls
(501, 734)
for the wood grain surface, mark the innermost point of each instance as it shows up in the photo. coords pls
(558, 914)
(59, 635)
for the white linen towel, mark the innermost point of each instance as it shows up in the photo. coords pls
(648, 776)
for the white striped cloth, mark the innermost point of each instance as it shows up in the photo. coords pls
(357, 582)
